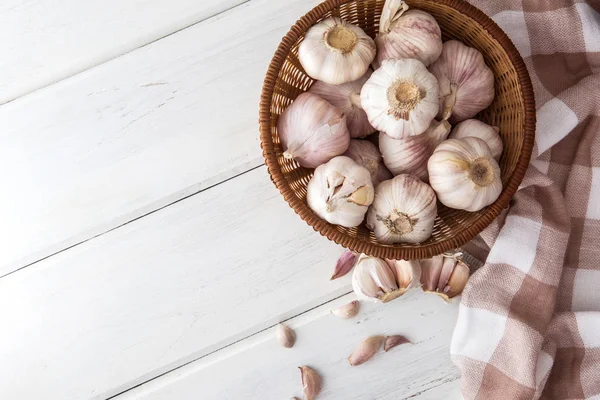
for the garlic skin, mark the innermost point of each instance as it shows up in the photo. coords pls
(466, 82)
(311, 382)
(408, 273)
(403, 211)
(464, 174)
(285, 335)
(344, 264)
(445, 275)
(365, 153)
(312, 131)
(393, 341)
(410, 155)
(347, 311)
(475, 128)
(340, 192)
(366, 350)
(373, 280)
(336, 52)
(407, 34)
(401, 98)
(346, 97)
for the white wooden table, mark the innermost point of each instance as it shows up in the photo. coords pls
(145, 254)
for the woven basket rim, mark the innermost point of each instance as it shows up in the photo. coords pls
(425, 250)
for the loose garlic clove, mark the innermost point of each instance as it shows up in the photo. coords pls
(311, 382)
(410, 155)
(481, 130)
(346, 97)
(407, 34)
(444, 275)
(285, 335)
(466, 83)
(404, 210)
(343, 265)
(464, 174)
(365, 153)
(347, 311)
(366, 350)
(340, 192)
(336, 52)
(401, 98)
(393, 341)
(373, 279)
(312, 131)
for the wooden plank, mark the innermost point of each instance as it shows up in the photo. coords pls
(164, 290)
(137, 133)
(262, 369)
(42, 42)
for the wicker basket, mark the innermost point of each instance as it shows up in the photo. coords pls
(513, 110)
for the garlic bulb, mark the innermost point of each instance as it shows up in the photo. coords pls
(336, 52)
(407, 34)
(400, 98)
(464, 174)
(466, 83)
(340, 192)
(346, 97)
(445, 275)
(404, 210)
(312, 131)
(481, 130)
(410, 155)
(373, 279)
(366, 154)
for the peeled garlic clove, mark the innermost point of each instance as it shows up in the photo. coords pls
(466, 83)
(285, 335)
(373, 279)
(464, 174)
(408, 273)
(346, 97)
(393, 341)
(340, 192)
(410, 155)
(347, 311)
(312, 131)
(366, 350)
(431, 269)
(403, 211)
(407, 34)
(335, 52)
(366, 154)
(311, 382)
(401, 98)
(344, 264)
(481, 130)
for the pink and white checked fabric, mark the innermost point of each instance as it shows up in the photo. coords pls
(529, 320)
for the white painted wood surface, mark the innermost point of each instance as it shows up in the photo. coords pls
(145, 253)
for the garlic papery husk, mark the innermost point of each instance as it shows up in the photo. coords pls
(445, 275)
(401, 98)
(346, 97)
(464, 174)
(340, 192)
(373, 279)
(407, 34)
(475, 128)
(312, 131)
(410, 155)
(334, 51)
(466, 83)
(404, 210)
(366, 154)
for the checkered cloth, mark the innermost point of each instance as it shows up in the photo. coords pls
(529, 319)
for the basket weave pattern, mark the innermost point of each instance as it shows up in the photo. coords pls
(513, 111)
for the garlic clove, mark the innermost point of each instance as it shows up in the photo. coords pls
(431, 269)
(346, 97)
(311, 382)
(285, 335)
(365, 153)
(312, 131)
(344, 264)
(444, 275)
(410, 155)
(347, 311)
(366, 350)
(475, 128)
(407, 34)
(340, 192)
(458, 279)
(408, 273)
(464, 174)
(393, 341)
(336, 52)
(466, 83)
(373, 279)
(401, 98)
(403, 211)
